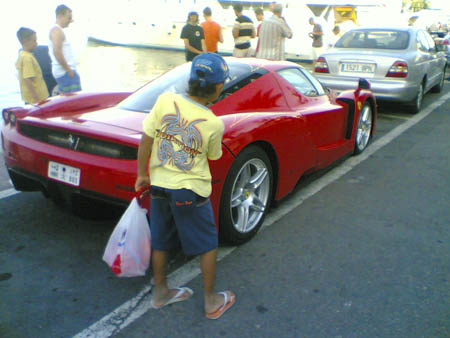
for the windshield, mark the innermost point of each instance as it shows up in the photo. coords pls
(175, 80)
(374, 39)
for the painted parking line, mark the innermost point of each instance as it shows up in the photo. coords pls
(8, 192)
(397, 117)
(134, 308)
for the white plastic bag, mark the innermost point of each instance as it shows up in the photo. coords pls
(129, 247)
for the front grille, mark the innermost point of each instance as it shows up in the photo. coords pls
(79, 143)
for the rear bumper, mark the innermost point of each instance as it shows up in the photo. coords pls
(392, 90)
(102, 178)
(27, 181)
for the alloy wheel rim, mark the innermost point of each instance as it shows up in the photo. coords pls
(249, 195)
(364, 128)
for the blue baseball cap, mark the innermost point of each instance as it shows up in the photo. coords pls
(209, 68)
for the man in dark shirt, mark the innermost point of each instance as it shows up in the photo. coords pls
(194, 39)
(316, 35)
(243, 32)
(42, 56)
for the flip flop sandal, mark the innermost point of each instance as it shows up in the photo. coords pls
(178, 297)
(228, 300)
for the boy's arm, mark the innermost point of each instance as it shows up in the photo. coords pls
(29, 84)
(144, 153)
(57, 37)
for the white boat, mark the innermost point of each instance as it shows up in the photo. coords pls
(158, 23)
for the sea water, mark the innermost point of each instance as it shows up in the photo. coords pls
(101, 67)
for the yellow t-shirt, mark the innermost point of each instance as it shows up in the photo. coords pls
(186, 134)
(29, 68)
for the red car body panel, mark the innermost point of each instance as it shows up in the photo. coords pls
(301, 134)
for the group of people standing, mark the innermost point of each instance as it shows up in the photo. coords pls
(41, 69)
(271, 34)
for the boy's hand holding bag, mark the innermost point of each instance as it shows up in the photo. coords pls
(129, 247)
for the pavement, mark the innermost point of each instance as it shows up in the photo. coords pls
(367, 256)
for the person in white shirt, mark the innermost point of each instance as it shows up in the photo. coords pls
(272, 34)
(336, 36)
(61, 53)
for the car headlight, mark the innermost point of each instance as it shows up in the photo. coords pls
(12, 118)
(5, 115)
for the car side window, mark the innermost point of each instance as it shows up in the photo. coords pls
(301, 82)
(422, 43)
(430, 41)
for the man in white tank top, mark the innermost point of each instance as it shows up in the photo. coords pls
(61, 53)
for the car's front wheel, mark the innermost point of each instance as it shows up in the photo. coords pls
(363, 129)
(246, 196)
(438, 88)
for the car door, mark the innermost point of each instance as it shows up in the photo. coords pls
(425, 59)
(435, 66)
(326, 121)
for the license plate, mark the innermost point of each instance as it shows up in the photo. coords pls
(64, 173)
(358, 67)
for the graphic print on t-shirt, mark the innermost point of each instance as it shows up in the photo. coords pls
(179, 141)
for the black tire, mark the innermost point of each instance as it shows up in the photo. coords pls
(416, 104)
(438, 88)
(249, 184)
(363, 132)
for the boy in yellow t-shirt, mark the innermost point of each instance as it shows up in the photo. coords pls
(32, 84)
(180, 135)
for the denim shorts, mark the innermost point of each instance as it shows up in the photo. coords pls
(67, 84)
(184, 215)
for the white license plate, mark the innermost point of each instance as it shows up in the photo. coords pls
(64, 173)
(358, 67)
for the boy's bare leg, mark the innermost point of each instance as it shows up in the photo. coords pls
(161, 291)
(208, 266)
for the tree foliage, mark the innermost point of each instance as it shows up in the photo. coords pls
(415, 5)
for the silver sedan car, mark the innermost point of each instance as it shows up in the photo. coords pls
(401, 64)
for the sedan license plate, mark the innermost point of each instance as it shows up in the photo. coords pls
(358, 67)
(64, 173)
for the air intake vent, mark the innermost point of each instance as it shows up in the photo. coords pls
(79, 143)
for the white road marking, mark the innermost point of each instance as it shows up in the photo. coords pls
(398, 117)
(8, 192)
(140, 304)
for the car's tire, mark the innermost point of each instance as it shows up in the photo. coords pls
(438, 88)
(363, 129)
(246, 196)
(416, 104)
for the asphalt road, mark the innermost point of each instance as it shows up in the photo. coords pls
(365, 256)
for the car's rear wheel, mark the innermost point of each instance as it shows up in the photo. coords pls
(363, 129)
(416, 104)
(246, 196)
(438, 88)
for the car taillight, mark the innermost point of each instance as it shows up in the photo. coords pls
(398, 69)
(321, 66)
(446, 42)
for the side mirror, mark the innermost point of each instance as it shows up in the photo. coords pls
(363, 84)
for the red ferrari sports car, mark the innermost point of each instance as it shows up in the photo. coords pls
(280, 124)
